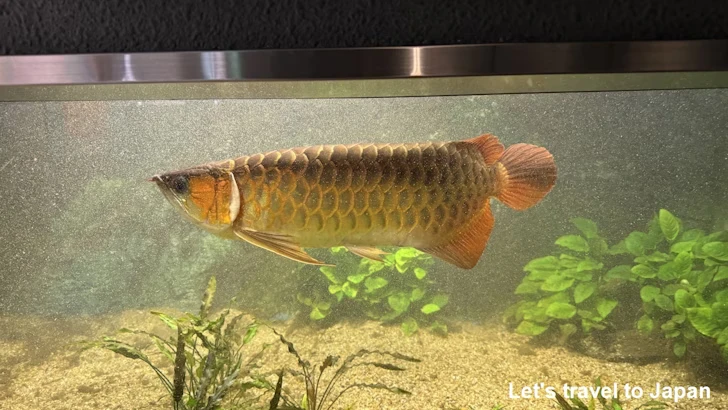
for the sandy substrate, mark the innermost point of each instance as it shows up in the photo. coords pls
(471, 368)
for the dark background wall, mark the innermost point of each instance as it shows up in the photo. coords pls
(82, 26)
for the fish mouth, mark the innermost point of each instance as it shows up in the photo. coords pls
(168, 194)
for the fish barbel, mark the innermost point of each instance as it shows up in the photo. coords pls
(434, 196)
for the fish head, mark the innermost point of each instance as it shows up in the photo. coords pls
(207, 195)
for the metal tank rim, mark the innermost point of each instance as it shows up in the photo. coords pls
(368, 72)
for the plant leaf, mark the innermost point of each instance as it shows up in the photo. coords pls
(589, 264)
(722, 273)
(679, 348)
(349, 290)
(684, 299)
(330, 273)
(561, 310)
(440, 300)
(621, 272)
(409, 326)
(668, 271)
(702, 320)
(557, 283)
(549, 263)
(316, 314)
(399, 302)
(356, 279)
(583, 291)
(717, 250)
(664, 303)
(678, 247)
(420, 273)
(430, 308)
(636, 243)
(605, 307)
(168, 320)
(373, 283)
(658, 257)
(207, 297)
(683, 264)
(644, 271)
(530, 329)
(527, 287)
(575, 243)
(720, 314)
(619, 249)
(541, 274)
(649, 292)
(416, 294)
(669, 225)
(722, 337)
(586, 226)
(645, 324)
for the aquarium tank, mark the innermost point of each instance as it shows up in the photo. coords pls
(491, 234)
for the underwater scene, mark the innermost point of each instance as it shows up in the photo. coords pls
(524, 251)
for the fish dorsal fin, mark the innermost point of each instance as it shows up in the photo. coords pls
(367, 252)
(281, 244)
(465, 248)
(489, 147)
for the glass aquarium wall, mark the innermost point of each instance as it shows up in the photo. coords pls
(618, 276)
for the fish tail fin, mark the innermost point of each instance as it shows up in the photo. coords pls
(527, 174)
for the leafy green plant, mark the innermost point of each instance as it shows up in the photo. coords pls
(320, 396)
(681, 277)
(396, 289)
(207, 357)
(565, 291)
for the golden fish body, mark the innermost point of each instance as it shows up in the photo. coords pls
(368, 195)
(433, 196)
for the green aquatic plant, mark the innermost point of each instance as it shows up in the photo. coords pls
(564, 290)
(206, 354)
(681, 277)
(320, 396)
(395, 289)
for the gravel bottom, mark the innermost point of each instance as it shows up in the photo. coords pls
(472, 368)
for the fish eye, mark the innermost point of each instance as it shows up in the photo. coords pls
(180, 184)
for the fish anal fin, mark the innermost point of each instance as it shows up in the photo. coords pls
(281, 244)
(465, 249)
(489, 146)
(367, 252)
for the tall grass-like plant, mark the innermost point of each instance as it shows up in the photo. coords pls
(323, 394)
(209, 365)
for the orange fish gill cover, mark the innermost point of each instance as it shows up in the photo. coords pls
(434, 196)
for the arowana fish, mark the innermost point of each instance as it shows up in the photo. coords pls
(434, 196)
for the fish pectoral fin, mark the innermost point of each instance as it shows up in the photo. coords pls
(465, 248)
(281, 244)
(367, 252)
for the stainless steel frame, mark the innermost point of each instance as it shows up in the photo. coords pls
(368, 72)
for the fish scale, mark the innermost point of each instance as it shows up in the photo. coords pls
(402, 194)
